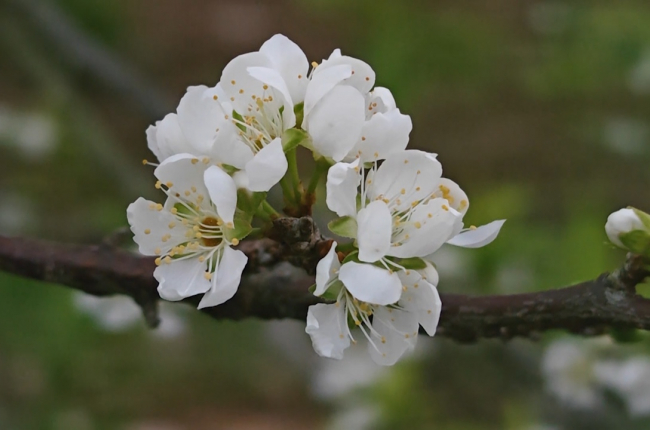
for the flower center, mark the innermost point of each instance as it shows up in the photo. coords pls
(211, 225)
(261, 123)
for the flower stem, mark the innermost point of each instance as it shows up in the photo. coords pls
(292, 159)
(321, 167)
(269, 210)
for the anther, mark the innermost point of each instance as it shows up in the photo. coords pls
(147, 231)
(195, 160)
(158, 185)
(235, 242)
(207, 275)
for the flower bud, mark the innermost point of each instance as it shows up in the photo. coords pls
(629, 229)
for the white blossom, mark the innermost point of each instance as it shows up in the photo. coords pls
(391, 328)
(192, 232)
(621, 222)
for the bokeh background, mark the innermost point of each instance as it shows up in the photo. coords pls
(539, 109)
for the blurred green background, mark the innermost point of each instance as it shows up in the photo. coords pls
(540, 110)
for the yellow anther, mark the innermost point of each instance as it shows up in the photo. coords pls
(157, 251)
(363, 138)
(193, 188)
(407, 336)
(472, 227)
(174, 211)
(417, 188)
(341, 335)
(195, 160)
(402, 191)
(383, 339)
(445, 207)
(184, 221)
(233, 82)
(207, 275)
(226, 116)
(358, 323)
(367, 78)
(406, 161)
(147, 231)
(196, 228)
(404, 288)
(215, 97)
(187, 193)
(266, 87)
(145, 162)
(172, 224)
(198, 235)
(314, 64)
(169, 184)
(417, 224)
(229, 225)
(299, 76)
(158, 185)
(201, 259)
(235, 242)
(165, 238)
(232, 99)
(429, 311)
(429, 215)
(463, 203)
(158, 261)
(418, 172)
(159, 207)
(241, 91)
(376, 154)
(415, 285)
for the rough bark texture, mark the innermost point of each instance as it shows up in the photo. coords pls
(274, 286)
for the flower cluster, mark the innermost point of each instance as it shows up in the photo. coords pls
(228, 145)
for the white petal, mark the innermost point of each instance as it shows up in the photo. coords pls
(288, 59)
(386, 97)
(375, 230)
(421, 297)
(181, 279)
(428, 228)
(223, 192)
(238, 85)
(267, 167)
(327, 327)
(371, 284)
(185, 176)
(326, 270)
(323, 83)
(384, 134)
(226, 278)
(342, 182)
(150, 225)
(199, 117)
(152, 142)
(273, 78)
(456, 197)
(170, 138)
(406, 177)
(362, 77)
(396, 333)
(478, 237)
(335, 123)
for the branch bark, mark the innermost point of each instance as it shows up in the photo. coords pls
(272, 287)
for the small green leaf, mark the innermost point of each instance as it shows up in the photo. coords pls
(249, 202)
(413, 263)
(637, 241)
(353, 256)
(625, 335)
(644, 217)
(241, 230)
(293, 137)
(345, 226)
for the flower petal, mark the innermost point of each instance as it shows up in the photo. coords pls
(385, 96)
(185, 174)
(478, 237)
(181, 279)
(343, 179)
(326, 270)
(169, 138)
(396, 333)
(362, 76)
(238, 85)
(223, 192)
(382, 135)
(421, 297)
(448, 189)
(199, 117)
(150, 225)
(267, 167)
(374, 231)
(327, 327)
(406, 177)
(427, 229)
(273, 78)
(323, 83)
(335, 123)
(226, 278)
(288, 59)
(371, 284)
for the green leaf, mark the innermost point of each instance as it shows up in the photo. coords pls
(413, 263)
(353, 256)
(241, 230)
(249, 202)
(293, 137)
(644, 217)
(345, 226)
(637, 241)
(625, 335)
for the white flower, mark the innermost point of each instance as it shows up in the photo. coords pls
(345, 119)
(391, 330)
(204, 127)
(621, 222)
(192, 232)
(630, 379)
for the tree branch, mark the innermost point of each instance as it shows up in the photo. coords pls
(272, 288)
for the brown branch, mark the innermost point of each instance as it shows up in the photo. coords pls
(272, 288)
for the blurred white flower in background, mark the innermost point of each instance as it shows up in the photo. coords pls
(630, 379)
(119, 313)
(639, 78)
(17, 213)
(356, 417)
(568, 367)
(34, 134)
